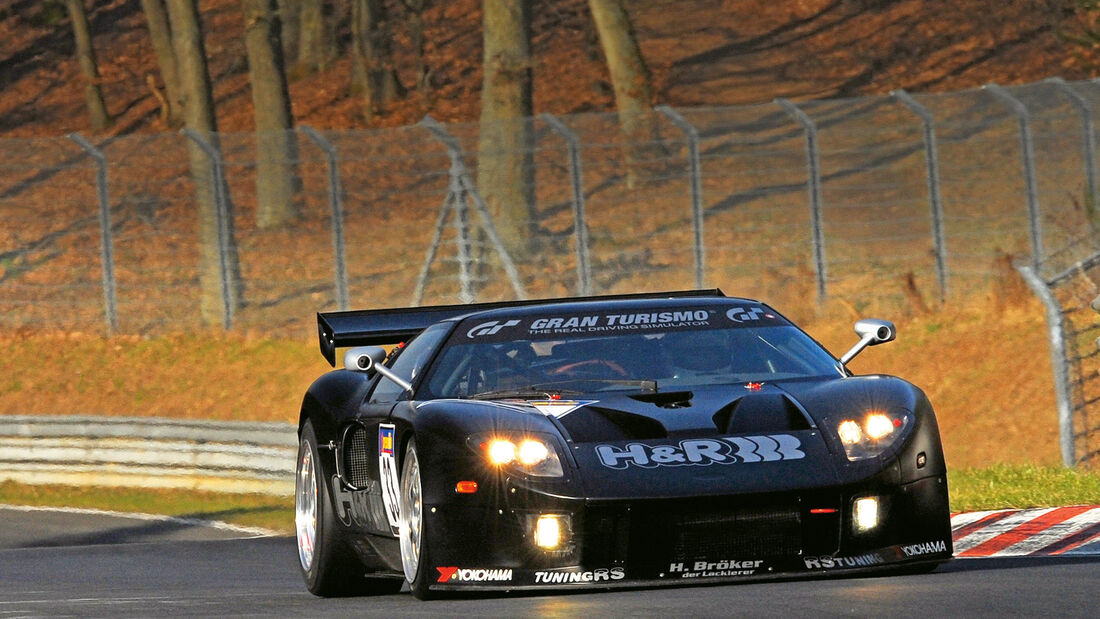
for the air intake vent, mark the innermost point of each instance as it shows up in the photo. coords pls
(760, 413)
(607, 424)
(357, 457)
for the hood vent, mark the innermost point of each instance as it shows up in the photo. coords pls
(606, 424)
(770, 412)
(671, 399)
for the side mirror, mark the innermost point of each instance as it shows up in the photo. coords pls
(369, 359)
(871, 332)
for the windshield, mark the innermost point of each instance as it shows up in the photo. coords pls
(566, 355)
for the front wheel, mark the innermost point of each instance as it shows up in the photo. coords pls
(413, 529)
(329, 567)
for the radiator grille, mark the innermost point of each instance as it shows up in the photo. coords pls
(754, 532)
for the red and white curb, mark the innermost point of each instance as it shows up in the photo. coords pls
(1045, 531)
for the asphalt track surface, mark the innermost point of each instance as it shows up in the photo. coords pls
(116, 567)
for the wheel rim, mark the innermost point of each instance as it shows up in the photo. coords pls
(305, 507)
(411, 516)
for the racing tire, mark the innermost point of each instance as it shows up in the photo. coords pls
(328, 565)
(414, 530)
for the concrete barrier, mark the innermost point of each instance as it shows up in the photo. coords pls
(149, 452)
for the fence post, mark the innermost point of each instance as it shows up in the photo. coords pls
(1028, 154)
(580, 223)
(1088, 135)
(814, 171)
(466, 187)
(1058, 360)
(932, 165)
(217, 174)
(695, 168)
(107, 249)
(335, 196)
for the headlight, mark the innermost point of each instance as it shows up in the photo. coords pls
(529, 455)
(868, 436)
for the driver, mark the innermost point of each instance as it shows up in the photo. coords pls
(696, 353)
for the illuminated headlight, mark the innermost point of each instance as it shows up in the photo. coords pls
(529, 455)
(865, 514)
(868, 436)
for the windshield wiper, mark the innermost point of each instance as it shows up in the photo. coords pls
(522, 392)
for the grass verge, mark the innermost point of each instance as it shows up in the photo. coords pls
(252, 510)
(972, 489)
(1019, 486)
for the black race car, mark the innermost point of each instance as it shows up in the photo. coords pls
(639, 439)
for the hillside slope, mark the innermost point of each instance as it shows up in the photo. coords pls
(701, 52)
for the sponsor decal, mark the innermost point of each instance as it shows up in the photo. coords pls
(462, 574)
(559, 408)
(926, 548)
(703, 452)
(489, 328)
(830, 563)
(620, 322)
(385, 440)
(741, 314)
(351, 506)
(711, 569)
(387, 475)
(557, 577)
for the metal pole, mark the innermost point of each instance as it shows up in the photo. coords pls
(696, 172)
(107, 251)
(814, 170)
(433, 247)
(932, 164)
(1028, 154)
(455, 151)
(580, 225)
(1058, 359)
(462, 233)
(217, 176)
(335, 195)
(1088, 136)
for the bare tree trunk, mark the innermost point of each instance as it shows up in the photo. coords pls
(505, 157)
(289, 14)
(630, 78)
(314, 43)
(276, 148)
(416, 33)
(198, 115)
(372, 56)
(85, 55)
(161, 36)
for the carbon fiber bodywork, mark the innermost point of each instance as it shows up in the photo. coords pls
(706, 482)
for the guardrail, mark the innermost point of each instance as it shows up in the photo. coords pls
(146, 452)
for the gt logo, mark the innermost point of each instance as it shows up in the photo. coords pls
(740, 314)
(489, 328)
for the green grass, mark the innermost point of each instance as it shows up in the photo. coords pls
(995, 487)
(1021, 486)
(253, 510)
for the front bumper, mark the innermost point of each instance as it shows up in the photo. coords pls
(689, 540)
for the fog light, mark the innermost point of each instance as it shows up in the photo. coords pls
(548, 532)
(866, 514)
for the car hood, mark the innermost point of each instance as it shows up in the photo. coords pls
(714, 440)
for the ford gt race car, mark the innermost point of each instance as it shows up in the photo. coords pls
(680, 437)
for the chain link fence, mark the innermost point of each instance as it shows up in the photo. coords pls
(842, 199)
(882, 204)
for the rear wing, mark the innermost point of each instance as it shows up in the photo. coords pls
(391, 326)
